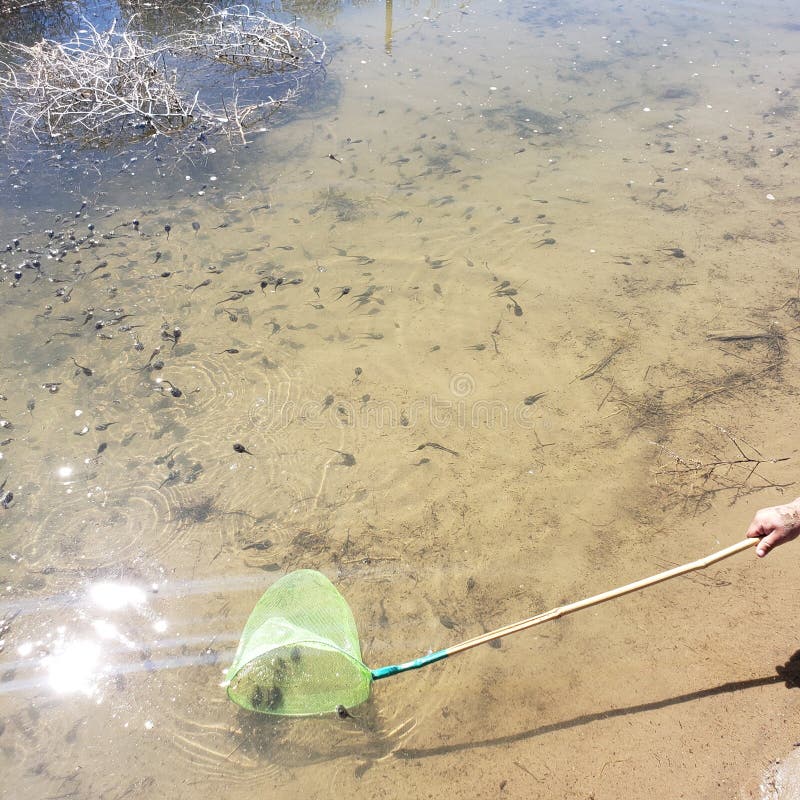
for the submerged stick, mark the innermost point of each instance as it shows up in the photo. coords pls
(600, 366)
(744, 337)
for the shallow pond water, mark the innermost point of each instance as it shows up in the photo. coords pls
(558, 240)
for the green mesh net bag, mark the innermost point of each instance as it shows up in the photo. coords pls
(299, 651)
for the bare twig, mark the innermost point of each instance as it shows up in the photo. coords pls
(601, 365)
(250, 39)
(104, 84)
(734, 381)
(699, 479)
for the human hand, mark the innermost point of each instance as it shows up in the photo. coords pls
(774, 526)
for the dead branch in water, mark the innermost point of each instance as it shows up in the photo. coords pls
(733, 382)
(252, 40)
(765, 349)
(103, 85)
(601, 365)
(11, 8)
(771, 335)
(91, 86)
(738, 472)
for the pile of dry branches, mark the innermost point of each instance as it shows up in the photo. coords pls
(251, 40)
(98, 83)
(11, 6)
(104, 85)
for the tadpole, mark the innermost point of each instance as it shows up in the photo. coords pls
(85, 370)
(348, 459)
(167, 458)
(435, 446)
(532, 398)
(274, 697)
(173, 390)
(100, 265)
(265, 544)
(543, 242)
(240, 448)
(6, 497)
(149, 360)
(171, 478)
(279, 669)
(505, 289)
(173, 336)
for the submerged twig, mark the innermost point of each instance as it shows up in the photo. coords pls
(601, 365)
(102, 85)
(700, 479)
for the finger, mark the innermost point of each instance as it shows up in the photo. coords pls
(768, 543)
(756, 529)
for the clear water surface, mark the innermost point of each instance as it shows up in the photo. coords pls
(557, 239)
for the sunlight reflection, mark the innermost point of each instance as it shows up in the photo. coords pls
(105, 630)
(106, 639)
(75, 668)
(114, 596)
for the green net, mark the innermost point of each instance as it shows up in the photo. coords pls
(299, 651)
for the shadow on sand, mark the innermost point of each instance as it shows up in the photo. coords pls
(788, 674)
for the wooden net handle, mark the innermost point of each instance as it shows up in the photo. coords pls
(562, 611)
